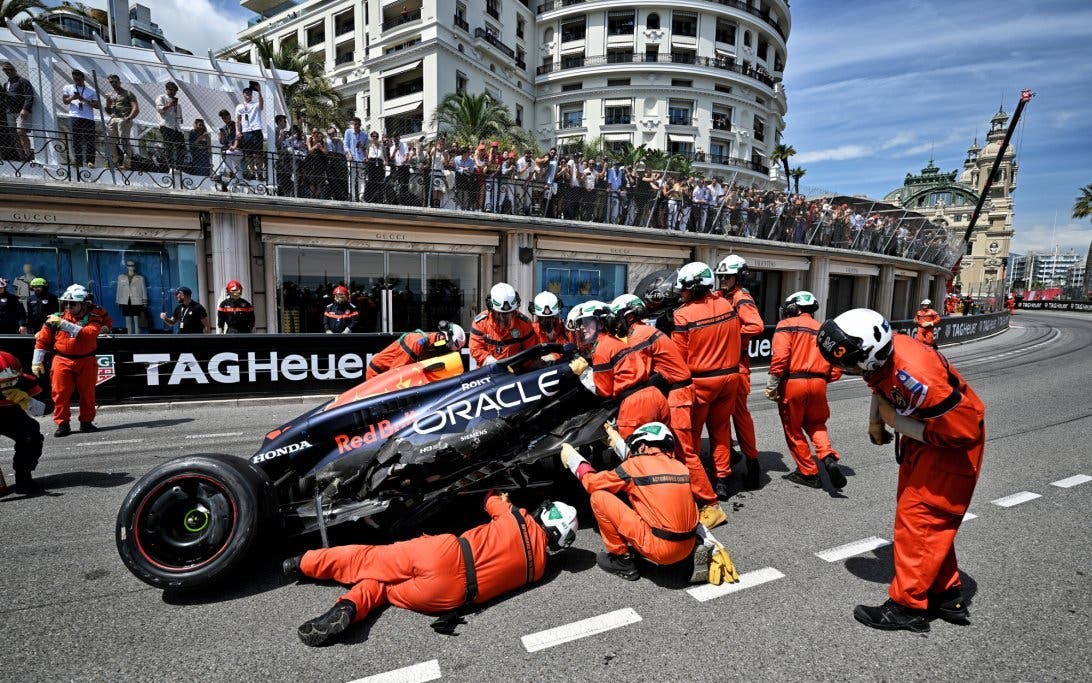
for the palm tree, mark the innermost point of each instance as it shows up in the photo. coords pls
(78, 8)
(796, 174)
(470, 118)
(311, 98)
(11, 9)
(782, 153)
(1082, 205)
(628, 155)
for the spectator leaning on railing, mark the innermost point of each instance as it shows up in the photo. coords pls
(20, 105)
(123, 108)
(82, 102)
(170, 126)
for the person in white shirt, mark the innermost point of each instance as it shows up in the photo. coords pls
(248, 121)
(82, 102)
(398, 153)
(169, 110)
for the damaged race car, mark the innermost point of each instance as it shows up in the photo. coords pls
(390, 453)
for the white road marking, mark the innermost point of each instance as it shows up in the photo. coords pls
(580, 629)
(850, 549)
(108, 443)
(747, 580)
(418, 673)
(969, 516)
(1070, 482)
(1015, 499)
(213, 436)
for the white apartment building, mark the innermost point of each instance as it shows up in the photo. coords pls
(698, 78)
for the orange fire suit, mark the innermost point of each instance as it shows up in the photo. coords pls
(73, 345)
(558, 335)
(661, 524)
(804, 374)
(429, 574)
(750, 318)
(925, 319)
(487, 338)
(623, 373)
(708, 333)
(937, 476)
(1010, 303)
(410, 348)
(669, 364)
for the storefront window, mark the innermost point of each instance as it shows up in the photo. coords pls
(575, 282)
(765, 288)
(98, 264)
(307, 278)
(367, 275)
(451, 291)
(840, 297)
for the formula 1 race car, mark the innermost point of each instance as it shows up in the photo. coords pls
(389, 453)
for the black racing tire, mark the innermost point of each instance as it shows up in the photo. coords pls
(189, 522)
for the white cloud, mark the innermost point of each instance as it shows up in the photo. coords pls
(1042, 237)
(841, 153)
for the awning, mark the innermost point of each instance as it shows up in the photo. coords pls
(400, 69)
(618, 103)
(618, 136)
(678, 137)
(417, 103)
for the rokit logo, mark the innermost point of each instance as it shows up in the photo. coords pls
(229, 368)
(383, 429)
(476, 383)
(277, 452)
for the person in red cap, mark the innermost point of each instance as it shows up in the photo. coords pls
(17, 406)
(234, 315)
(341, 316)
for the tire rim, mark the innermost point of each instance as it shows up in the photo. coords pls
(185, 522)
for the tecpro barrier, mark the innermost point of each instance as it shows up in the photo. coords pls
(1080, 306)
(145, 368)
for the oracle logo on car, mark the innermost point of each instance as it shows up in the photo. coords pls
(507, 396)
(277, 452)
(384, 429)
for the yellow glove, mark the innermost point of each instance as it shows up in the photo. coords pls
(613, 437)
(17, 396)
(38, 369)
(578, 365)
(878, 434)
(570, 458)
(54, 320)
(771, 394)
(721, 567)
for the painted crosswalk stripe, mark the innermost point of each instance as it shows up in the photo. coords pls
(1070, 482)
(850, 549)
(969, 516)
(213, 436)
(418, 673)
(1015, 499)
(580, 629)
(746, 580)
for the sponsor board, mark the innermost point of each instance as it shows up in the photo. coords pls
(1078, 306)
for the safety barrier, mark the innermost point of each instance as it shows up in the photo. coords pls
(1079, 306)
(149, 368)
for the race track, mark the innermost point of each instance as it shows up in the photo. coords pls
(69, 610)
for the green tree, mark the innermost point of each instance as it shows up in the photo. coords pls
(796, 174)
(1082, 205)
(469, 119)
(312, 99)
(628, 155)
(782, 153)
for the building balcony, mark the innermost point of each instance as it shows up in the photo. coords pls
(580, 61)
(488, 37)
(618, 120)
(725, 160)
(764, 15)
(402, 18)
(571, 124)
(461, 23)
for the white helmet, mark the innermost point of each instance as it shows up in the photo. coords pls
(925, 303)
(559, 521)
(733, 264)
(627, 303)
(503, 298)
(798, 302)
(572, 320)
(75, 293)
(693, 276)
(589, 309)
(453, 334)
(859, 338)
(655, 433)
(545, 305)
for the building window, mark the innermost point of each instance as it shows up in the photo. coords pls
(760, 129)
(343, 23)
(617, 82)
(519, 115)
(618, 115)
(521, 58)
(460, 81)
(681, 56)
(572, 116)
(521, 23)
(747, 39)
(681, 83)
(573, 29)
(621, 55)
(621, 23)
(680, 148)
(492, 8)
(727, 89)
(570, 146)
(652, 53)
(316, 34)
(460, 17)
(575, 282)
(679, 112)
(653, 22)
(573, 61)
(569, 87)
(726, 32)
(722, 118)
(290, 42)
(763, 49)
(719, 151)
(548, 35)
(684, 24)
(344, 53)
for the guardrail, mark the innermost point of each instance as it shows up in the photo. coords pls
(1058, 305)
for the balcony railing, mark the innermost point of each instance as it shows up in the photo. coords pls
(680, 120)
(493, 40)
(764, 15)
(618, 120)
(521, 63)
(403, 18)
(721, 122)
(461, 23)
(641, 58)
(726, 160)
(573, 122)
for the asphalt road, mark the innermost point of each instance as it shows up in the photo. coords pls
(69, 610)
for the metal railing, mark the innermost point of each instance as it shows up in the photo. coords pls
(764, 15)
(493, 40)
(665, 58)
(403, 18)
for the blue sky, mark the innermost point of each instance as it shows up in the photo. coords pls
(874, 86)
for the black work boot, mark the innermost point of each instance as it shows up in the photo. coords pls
(322, 629)
(25, 484)
(63, 429)
(809, 480)
(750, 480)
(88, 427)
(291, 568)
(622, 565)
(950, 606)
(891, 616)
(722, 488)
(837, 477)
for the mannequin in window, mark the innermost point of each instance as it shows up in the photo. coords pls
(22, 283)
(132, 296)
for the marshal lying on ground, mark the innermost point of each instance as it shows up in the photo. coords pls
(389, 452)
